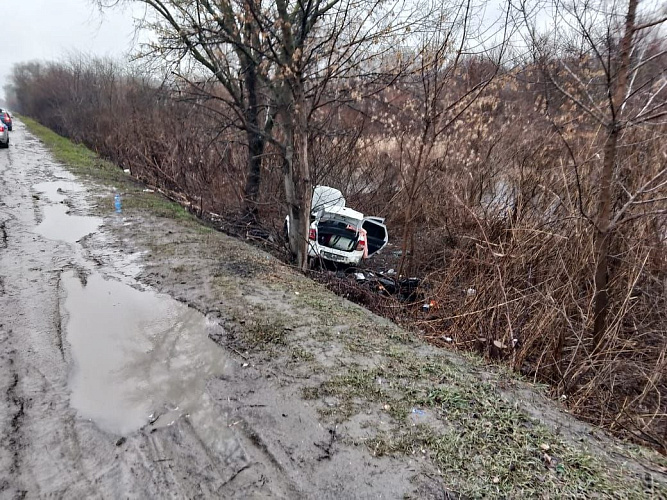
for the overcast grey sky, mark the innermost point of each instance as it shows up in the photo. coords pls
(50, 29)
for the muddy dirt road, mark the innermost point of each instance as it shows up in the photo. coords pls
(103, 383)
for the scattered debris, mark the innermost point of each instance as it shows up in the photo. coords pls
(429, 305)
(406, 289)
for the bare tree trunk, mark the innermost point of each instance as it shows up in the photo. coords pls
(291, 192)
(256, 140)
(298, 186)
(602, 236)
(255, 152)
(298, 192)
(303, 187)
(408, 228)
(605, 215)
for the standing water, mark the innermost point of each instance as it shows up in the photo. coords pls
(137, 355)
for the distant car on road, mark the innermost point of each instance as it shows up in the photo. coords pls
(6, 118)
(4, 136)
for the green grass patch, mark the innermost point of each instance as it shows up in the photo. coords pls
(157, 205)
(266, 332)
(484, 446)
(300, 354)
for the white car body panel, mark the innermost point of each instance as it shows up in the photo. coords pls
(326, 197)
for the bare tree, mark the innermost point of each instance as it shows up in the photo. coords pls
(276, 62)
(436, 94)
(602, 58)
(223, 39)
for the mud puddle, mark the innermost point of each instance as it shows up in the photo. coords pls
(58, 224)
(56, 192)
(139, 358)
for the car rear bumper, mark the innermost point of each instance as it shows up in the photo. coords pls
(337, 256)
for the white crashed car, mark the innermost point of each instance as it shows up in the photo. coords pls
(340, 234)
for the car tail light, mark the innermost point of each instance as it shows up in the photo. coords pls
(2, 128)
(362, 242)
(312, 234)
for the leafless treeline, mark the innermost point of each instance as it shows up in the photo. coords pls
(521, 162)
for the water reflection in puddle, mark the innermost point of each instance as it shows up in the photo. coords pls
(59, 225)
(56, 191)
(138, 354)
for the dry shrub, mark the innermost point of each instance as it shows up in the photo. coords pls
(506, 243)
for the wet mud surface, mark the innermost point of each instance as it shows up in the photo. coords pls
(144, 357)
(103, 381)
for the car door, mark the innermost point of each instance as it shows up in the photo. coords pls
(376, 233)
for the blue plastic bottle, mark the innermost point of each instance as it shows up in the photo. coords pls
(116, 202)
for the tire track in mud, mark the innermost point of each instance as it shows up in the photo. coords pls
(14, 405)
(58, 319)
(26, 404)
(3, 235)
(12, 441)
